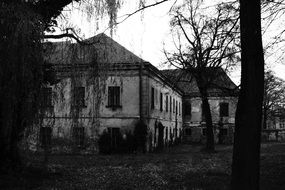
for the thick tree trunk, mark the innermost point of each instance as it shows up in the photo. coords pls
(246, 153)
(210, 144)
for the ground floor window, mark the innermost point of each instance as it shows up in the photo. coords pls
(45, 136)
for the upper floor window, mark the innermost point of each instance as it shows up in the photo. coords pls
(161, 102)
(152, 98)
(79, 97)
(166, 104)
(170, 104)
(282, 122)
(46, 97)
(114, 96)
(224, 109)
(173, 105)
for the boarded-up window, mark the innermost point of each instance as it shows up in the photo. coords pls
(46, 97)
(114, 96)
(79, 97)
(78, 134)
(45, 136)
(161, 102)
(152, 98)
(224, 109)
(166, 104)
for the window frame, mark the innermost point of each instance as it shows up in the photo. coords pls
(114, 97)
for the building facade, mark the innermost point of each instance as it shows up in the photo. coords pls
(104, 87)
(222, 97)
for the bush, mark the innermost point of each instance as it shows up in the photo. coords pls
(120, 145)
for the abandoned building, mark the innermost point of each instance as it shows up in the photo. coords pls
(222, 97)
(101, 86)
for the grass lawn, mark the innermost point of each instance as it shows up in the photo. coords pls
(180, 167)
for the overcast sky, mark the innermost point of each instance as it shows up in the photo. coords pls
(145, 33)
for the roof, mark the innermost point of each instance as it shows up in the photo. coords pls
(101, 49)
(221, 85)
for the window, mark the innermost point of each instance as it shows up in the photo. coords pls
(46, 97)
(188, 131)
(166, 104)
(115, 135)
(173, 105)
(78, 133)
(179, 109)
(152, 98)
(224, 109)
(161, 102)
(282, 123)
(176, 107)
(170, 103)
(79, 97)
(187, 109)
(114, 96)
(45, 136)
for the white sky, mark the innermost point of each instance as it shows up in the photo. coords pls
(144, 33)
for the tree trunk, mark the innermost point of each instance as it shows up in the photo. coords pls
(246, 153)
(210, 144)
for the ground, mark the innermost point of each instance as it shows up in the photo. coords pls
(180, 167)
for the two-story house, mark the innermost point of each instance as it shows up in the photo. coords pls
(100, 85)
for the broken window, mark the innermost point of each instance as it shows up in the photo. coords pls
(46, 97)
(114, 96)
(45, 136)
(224, 109)
(78, 134)
(79, 97)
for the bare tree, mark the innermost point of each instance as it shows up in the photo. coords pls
(274, 91)
(210, 42)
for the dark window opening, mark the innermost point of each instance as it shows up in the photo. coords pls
(45, 136)
(152, 98)
(170, 104)
(173, 105)
(78, 133)
(114, 96)
(161, 102)
(224, 109)
(79, 97)
(166, 104)
(115, 136)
